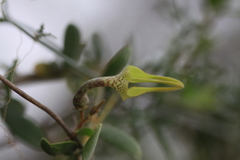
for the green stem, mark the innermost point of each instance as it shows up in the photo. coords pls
(81, 100)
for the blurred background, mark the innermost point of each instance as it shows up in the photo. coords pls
(196, 42)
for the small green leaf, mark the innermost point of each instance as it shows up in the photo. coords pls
(97, 46)
(26, 130)
(89, 148)
(85, 132)
(15, 109)
(54, 149)
(72, 43)
(121, 140)
(20, 126)
(118, 62)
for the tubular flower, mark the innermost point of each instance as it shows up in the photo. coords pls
(130, 74)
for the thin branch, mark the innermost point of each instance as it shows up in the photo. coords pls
(92, 112)
(41, 106)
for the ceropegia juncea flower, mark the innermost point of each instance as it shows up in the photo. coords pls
(130, 74)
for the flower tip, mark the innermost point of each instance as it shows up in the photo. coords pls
(181, 85)
(132, 74)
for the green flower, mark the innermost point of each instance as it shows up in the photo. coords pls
(132, 74)
(120, 82)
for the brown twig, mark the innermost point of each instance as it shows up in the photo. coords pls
(92, 112)
(41, 106)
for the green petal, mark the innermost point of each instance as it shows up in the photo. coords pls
(136, 91)
(132, 74)
(136, 75)
(159, 79)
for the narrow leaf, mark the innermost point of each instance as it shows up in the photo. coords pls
(118, 62)
(97, 46)
(72, 42)
(121, 140)
(90, 146)
(15, 108)
(20, 126)
(85, 132)
(54, 149)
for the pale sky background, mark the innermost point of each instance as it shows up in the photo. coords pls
(116, 20)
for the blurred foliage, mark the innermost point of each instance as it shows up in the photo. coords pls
(12, 113)
(84, 132)
(54, 149)
(202, 120)
(21, 126)
(72, 43)
(118, 62)
(217, 5)
(121, 140)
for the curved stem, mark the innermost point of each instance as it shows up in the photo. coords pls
(41, 106)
